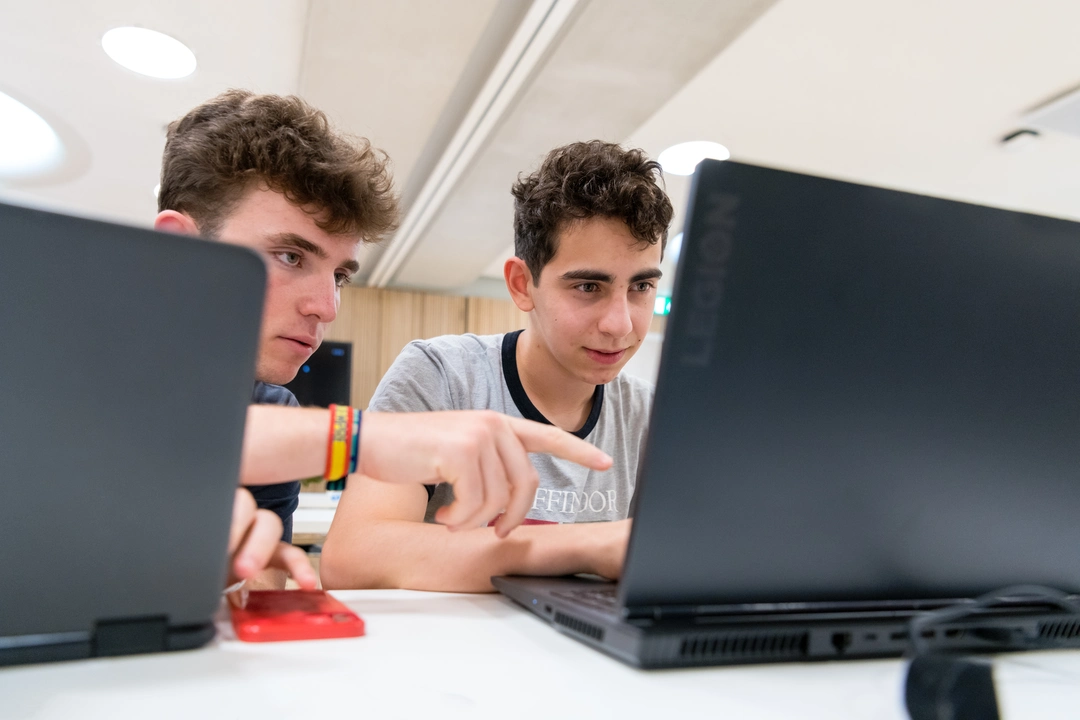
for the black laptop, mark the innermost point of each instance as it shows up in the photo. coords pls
(868, 407)
(127, 359)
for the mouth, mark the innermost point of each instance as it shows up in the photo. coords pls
(301, 344)
(605, 358)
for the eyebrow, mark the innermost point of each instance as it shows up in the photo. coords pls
(298, 242)
(594, 275)
(650, 274)
(600, 276)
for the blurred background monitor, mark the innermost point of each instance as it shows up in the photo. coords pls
(325, 378)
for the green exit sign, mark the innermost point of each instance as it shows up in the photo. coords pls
(662, 306)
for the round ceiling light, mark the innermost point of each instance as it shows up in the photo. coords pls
(681, 159)
(28, 144)
(148, 52)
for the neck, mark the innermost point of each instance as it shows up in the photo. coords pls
(562, 398)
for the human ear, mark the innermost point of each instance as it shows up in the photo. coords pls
(519, 283)
(178, 223)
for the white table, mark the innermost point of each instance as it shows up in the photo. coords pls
(312, 518)
(442, 656)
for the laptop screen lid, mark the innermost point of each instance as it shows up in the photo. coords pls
(127, 365)
(863, 395)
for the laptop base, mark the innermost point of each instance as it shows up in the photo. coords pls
(109, 639)
(821, 632)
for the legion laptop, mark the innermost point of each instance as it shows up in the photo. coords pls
(127, 359)
(868, 405)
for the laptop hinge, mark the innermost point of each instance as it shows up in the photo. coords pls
(657, 612)
(128, 636)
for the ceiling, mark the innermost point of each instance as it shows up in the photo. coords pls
(616, 64)
(465, 95)
(114, 120)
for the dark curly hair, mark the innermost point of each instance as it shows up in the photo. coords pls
(583, 180)
(221, 148)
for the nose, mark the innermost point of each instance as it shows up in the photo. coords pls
(616, 320)
(320, 298)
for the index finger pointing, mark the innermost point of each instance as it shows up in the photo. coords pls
(541, 438)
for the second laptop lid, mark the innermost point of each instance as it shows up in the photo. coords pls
(863, 394)
(126, 366)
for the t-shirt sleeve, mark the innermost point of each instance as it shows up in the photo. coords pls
(641, 402)
(418, 381)
(282, 499)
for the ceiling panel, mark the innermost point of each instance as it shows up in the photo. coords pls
(615, 65)
(386, 70)
(914, 96)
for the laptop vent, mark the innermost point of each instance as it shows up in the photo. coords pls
(718, 647)
(579, 626)
(1060, 630)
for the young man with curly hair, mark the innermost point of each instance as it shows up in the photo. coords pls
(589, 231)
(270, 173)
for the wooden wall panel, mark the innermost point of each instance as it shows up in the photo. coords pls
(487, 316)
(379, 323)
(359, 321)
(443, 315)
(402, 321)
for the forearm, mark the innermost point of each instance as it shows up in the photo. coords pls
(421, 556)
(282, 444)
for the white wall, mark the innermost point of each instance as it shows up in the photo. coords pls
(646, 362)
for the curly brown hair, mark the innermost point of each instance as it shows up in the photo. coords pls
(583, 180)
(216, 152)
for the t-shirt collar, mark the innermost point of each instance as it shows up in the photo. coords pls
(521, 399)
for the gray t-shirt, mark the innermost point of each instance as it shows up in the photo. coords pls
(471, 372)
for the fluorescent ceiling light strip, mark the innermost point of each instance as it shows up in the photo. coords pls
(539, 28)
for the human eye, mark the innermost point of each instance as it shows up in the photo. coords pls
(644, 286)
(287, 257)
(342, 279)
(589, 287)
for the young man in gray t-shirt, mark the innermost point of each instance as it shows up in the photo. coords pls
(589, 231)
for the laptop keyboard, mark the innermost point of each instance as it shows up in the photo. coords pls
(600, 598)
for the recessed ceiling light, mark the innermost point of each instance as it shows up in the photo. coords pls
(681, 159)
(157, 189)
(28, 144)
(148, 52)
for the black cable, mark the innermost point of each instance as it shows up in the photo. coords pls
(940, 686)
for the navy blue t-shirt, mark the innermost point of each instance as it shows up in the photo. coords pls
(283, 497)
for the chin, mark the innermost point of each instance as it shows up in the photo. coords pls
(276, 374)
(601, 376)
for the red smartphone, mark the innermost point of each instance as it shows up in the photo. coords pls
(273, 615)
